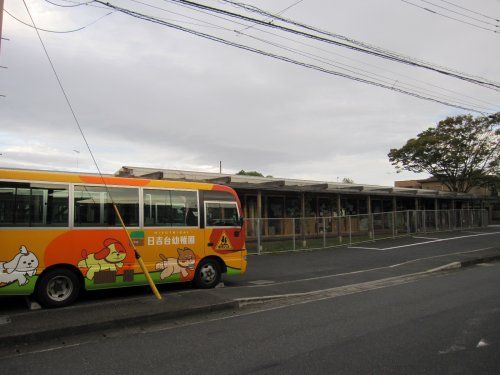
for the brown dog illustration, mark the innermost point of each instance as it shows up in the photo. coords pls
(186, 261)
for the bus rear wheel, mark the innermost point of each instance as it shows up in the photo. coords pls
(57, 288)
(208, 274)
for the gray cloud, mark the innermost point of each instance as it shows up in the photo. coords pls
(150, 96)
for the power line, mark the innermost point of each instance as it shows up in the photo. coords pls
(254, 9)
(117, 212)
(459, 13)
(181, 15)
(383, 79)
(280, 12)
(469, 10)
(75, 4)
(64, 94)
(337, 54)
(330, 52)
(58, 31)
(449, 17)
(375, 51)
(275, 56)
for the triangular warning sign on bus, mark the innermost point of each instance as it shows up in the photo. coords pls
(224, 243)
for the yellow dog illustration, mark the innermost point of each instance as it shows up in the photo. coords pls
(108, 258)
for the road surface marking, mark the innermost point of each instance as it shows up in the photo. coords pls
(482, 343)
(4, 319)
(440, 240)
(364, 270)
(365, 248)
(452, 349)
(262, 282)
(426, 238)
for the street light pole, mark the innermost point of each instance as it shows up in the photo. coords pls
(76, 152)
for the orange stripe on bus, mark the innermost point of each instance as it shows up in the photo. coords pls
(114, 180)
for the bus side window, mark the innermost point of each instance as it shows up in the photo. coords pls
(33, 204)
(221, 214)
(94, 206)
(171, 208)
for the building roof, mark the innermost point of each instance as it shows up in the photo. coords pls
(283, 184)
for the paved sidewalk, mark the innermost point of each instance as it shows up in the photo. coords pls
(268, 276)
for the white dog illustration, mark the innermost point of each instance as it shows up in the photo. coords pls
(24, 264)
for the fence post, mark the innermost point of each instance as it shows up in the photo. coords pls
(436, 214)
(408, 222)
(373, 228)
(293, 231)
(449, 219)
(350, 230)
(424, 219)
(461, 219)
(393, 224)
(415, 216)
(324, 232)
(258, 237)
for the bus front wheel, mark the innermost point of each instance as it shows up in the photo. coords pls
(208, 274)
(57, 287)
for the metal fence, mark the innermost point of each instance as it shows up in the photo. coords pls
(285, 234)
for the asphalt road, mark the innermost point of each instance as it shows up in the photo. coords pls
(447, 324)
(329, 267)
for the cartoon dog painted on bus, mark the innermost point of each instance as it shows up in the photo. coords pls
(17, 269)
(109, 258)
(168, 266)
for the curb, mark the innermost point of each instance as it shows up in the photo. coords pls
(465, 263)
(29, 338)
(447, 267)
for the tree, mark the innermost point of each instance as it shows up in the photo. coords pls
(250, 173)
(347, 180)
(461, 152)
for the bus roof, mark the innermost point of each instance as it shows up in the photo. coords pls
(96, 179)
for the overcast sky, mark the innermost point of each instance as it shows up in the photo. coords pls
(147, 95)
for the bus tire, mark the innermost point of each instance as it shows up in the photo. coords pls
(57, 287)
(208, 274)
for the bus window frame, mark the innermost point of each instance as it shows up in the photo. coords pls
(221, 202)
(70, 190)
(141, 216)
(71, 207)
(102, 227)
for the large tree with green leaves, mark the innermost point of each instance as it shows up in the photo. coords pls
(461, 152)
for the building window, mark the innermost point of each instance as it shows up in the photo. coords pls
(292, 207)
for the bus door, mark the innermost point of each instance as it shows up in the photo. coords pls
(223, 233)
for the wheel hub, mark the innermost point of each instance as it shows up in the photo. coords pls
(59, 288)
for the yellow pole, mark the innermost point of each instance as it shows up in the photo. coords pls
(138, 256)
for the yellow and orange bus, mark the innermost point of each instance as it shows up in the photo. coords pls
(59, 233)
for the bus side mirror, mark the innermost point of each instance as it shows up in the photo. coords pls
(241, 221)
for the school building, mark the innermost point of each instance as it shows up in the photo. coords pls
(270, 198)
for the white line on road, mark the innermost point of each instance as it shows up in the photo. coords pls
(426, 238)
(365, 248)
(482, 343)
(439, 240)
(364, 270)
